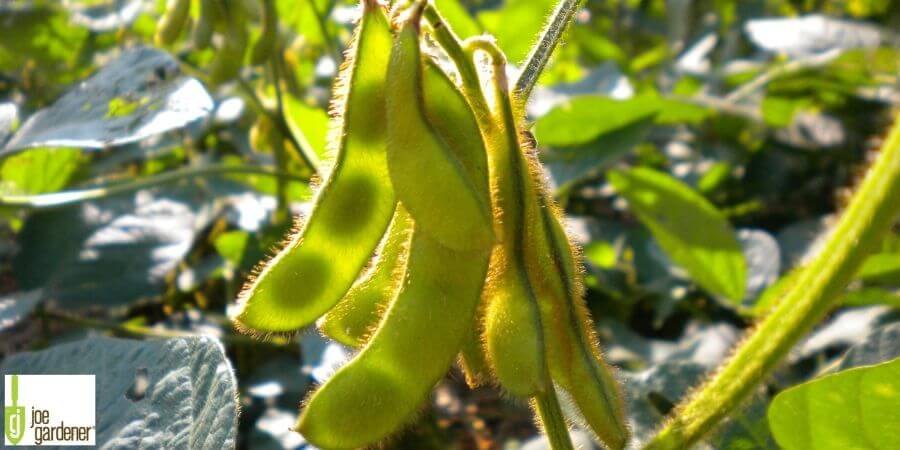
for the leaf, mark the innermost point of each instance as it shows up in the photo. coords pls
(309, 125)
(459, 19)
(856, 408)
(140, 94)
(111, 251)
(688, 228)
(881, 268)
(813, 33)
(107, 16)
(516, 25)
(882, 344)
(571, 165)
(9, 120)
(174, 393)
(38, 171)
(17, 307)
(584, 119)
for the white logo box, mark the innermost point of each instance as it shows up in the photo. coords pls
(57, 409)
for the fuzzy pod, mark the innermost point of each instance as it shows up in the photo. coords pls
(451, 163)
(550, 260)
(383, 386)
(267, 42)
(173, 22)
(351, 210)
(227, 63)
(352, 320)
(206, 21)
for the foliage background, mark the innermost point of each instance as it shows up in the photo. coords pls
(768, 109)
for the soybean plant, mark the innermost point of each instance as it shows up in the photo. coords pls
(475, 262)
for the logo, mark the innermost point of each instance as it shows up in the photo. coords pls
(49, 410)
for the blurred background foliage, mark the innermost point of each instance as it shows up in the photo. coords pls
(136, 196)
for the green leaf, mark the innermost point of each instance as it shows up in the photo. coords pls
(459, 19)
(584, 119)
(174, 393)
(309, 125)
(17, 307)
(38, 171)
(881, 268)
(516, 25)
(689, 229)
(853, 409)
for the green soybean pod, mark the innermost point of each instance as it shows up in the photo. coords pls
(265, 44)
(351, 210)
(227, 63)
(512, 332)
(574, 358)
(418, 151)
(203, 31)
(352, 320)
(382, 387)
(573, 355)
(172, 22)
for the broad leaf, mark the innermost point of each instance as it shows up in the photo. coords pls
(140, 94)
(584, 119)
(811, 34)
(856, 408)
(17, 307)
(175, 393)
(111, 251)
(688, 228)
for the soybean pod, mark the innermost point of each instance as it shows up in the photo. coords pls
(229, 59)
(351, 210)
(352, 320)
(573, 356)
(206, 19)
(173, 22)
(268, 38)
(420, 150)
(379, 391)
(513, 334)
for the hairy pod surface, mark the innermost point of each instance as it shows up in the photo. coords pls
(381, 388)
(266, 43)
(352, 209)
(513, 333)
(573, 356)
(228, 61)
(351, 321)
(436, 158)
(173, 22)
(203, 31)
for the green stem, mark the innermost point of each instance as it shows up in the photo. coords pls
(553, 420)
(128, 329)
(869, 216)
(281, 210)
(468, 74)
(543, 48)
(69, 198)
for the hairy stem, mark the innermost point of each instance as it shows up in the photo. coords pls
(870, 214)
(543, 48)
(553, 420)
(74, 197)
(468, 74)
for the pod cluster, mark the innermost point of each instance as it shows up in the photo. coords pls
(228, 19)
(432, 239)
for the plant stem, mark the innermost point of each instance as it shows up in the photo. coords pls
(281, 210)
(128, 329)
(870, 214)
(553, 420)
(543, 48)
(468, 74)
(69, 198)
